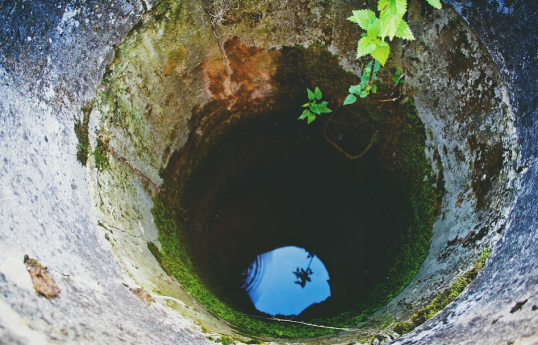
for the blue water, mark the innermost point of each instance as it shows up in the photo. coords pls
(286, 281)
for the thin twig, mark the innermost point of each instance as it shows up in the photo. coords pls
(124, 160)
(180, 302)
(336, 146)
(388, 94)
(107, 226)
(388, 99)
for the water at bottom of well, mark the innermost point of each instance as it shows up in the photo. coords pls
(286, 281)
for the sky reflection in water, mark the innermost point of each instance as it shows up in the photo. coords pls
(275, 288)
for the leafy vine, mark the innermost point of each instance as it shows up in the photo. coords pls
(390, 23)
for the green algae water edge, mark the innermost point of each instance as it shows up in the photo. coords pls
(395, 181)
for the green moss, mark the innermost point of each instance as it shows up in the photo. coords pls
(225, 340)
(101, 155)
(441, 301)
(81, 131)
(83, 146)
(155, 251)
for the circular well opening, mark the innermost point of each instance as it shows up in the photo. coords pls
(242, 177)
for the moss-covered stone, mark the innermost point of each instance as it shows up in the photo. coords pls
(100, 154)
(81, 131)
(444, 298)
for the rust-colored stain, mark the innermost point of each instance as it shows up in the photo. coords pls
(243, 77)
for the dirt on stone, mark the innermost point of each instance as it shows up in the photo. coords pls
(142, 295)
(44, 284)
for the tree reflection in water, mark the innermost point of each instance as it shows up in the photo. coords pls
(302, 274)
(267, 281)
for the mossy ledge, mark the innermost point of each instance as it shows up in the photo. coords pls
(444, 298)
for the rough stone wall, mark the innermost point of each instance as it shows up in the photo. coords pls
(53, 55)
(500, 306)
(463, 103)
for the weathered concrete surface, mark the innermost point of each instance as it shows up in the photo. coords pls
(52, 59)
(488, 311)
(53, 55)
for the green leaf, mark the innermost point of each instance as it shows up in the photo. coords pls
(392, 12)
(363, 94)
(350, 99)
(365, 77)
(435, 3)
(403, 31)
(374, 88)
(315, 108)
(375, 30)
(365, 47)
(389, 24)
(356, 89)
(305, 114)
(306, 105)
(393, 7)
(317, 93)
(311, 118)
(311, 95)
(376, 66)
(353, 19)
(323, 109)
(365, 18)
(381, 53)
(396, 77)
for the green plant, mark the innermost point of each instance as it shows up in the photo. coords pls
(390, 23)
(398, 77)
(366, 85)
(314, 108)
